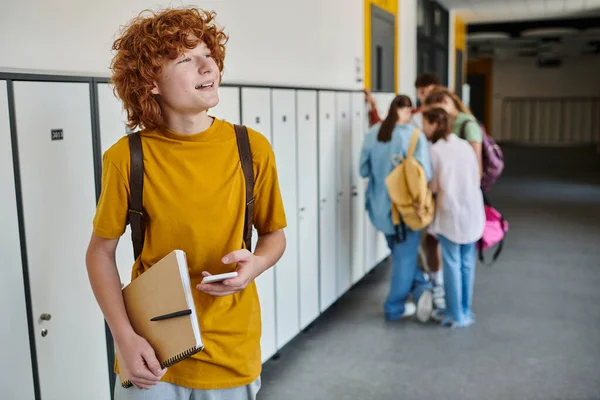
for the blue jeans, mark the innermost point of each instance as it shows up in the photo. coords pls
(407, 278)
(459, 275)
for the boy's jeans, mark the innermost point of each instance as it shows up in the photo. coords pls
(459, 276)
(407, 277)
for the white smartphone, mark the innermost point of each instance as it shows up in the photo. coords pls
(219, 277)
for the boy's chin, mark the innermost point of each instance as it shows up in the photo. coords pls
(208, 104)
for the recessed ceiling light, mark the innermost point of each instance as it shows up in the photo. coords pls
(482, 36)
(538, 32)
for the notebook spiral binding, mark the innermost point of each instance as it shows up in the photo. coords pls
(171, 361)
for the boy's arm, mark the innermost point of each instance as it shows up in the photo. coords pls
(136, 356)
(373, 114)
(138, 361)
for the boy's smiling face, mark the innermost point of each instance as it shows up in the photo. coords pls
(189, 83)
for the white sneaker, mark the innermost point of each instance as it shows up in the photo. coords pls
(424, 306)
(439, 301)
(409, 309)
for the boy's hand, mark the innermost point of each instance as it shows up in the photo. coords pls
(138, 362)
(369, 98)
(248, 268)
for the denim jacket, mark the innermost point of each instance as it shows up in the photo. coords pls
(376, 164)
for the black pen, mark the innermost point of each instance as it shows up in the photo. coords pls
(172, 315)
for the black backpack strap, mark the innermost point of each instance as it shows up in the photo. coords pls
(246, 159)
(136, 185)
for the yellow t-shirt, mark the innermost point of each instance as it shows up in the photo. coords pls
(194, 196)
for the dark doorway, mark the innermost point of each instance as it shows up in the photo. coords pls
(383, 58)
(478, 96)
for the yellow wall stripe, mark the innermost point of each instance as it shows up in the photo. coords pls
(460, 30)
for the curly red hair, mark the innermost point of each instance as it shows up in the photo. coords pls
(144, 45)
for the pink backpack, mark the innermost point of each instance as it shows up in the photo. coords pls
(493, 233)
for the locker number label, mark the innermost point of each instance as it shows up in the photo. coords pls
(57, 134)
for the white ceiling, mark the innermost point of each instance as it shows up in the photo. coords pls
(514, 10)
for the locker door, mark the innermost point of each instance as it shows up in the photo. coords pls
(308, 206)
(344, 147)
(57, 170)
(228, 108)
(112, 128)
(16, 380)
(286, 273)
(359, 128)
(327, 199)
(256, 114)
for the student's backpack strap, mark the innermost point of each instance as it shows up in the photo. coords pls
(136, 183)
(246, 159)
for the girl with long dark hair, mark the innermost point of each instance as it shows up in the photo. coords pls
(392, 137)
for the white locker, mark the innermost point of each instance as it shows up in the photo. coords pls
(256, 114)
(16, 379)
(113, 119)
(56, 162)
(328, 169)
(357, 205)
(286, 272)
(228, 108)
(308, 206)
(344, 148)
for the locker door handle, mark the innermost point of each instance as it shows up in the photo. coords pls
(354, 194)
(45, 317)
(302, 209)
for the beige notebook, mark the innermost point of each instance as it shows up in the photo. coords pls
(161, 309)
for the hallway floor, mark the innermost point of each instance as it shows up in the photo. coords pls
(537, 334)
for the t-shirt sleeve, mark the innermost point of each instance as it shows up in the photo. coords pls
(111, 212)
(269, 212)
(473, 132)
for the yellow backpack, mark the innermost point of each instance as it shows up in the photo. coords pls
(412, 201)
